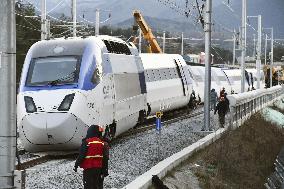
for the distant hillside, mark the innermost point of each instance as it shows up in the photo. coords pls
(160, 25)
(121, 12)
(271, 11)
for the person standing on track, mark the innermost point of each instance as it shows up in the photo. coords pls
(93, 158)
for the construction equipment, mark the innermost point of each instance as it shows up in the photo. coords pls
(277, 75)
(147, 33)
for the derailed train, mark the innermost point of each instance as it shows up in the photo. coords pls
(69, 84)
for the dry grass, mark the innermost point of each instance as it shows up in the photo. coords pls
(242, 158)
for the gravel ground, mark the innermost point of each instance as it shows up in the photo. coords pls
(182, 178)
(129, 157)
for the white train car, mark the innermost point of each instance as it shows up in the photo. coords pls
(69, 84)
(220, 79)
(198, 77)
(253, 78)
(235, 76)
(168, 83)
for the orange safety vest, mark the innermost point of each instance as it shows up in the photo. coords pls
(94, 156)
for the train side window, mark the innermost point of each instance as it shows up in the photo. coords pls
(153, 75)
(96, 77)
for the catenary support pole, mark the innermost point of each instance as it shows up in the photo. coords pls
(97, 29)
(254, 47)
(243, 45)
(7, 93)
(164, 41)
(43, 19)
(74, 14)
(258, 61)
(181, 51)
(207, 30)
(48, 35)
(234, 47)
(265, 50)
(271, 59)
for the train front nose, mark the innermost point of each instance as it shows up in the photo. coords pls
(49, 128)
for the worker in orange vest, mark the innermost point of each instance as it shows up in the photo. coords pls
(93, 158)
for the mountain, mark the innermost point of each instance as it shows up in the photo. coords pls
(271, 11)
(160, 25)
(173, 10)
(122, 9)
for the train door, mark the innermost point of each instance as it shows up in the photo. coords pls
(185, 77)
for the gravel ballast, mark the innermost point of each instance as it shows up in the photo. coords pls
(129, 157)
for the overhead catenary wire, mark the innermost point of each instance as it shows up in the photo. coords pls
(56, 6)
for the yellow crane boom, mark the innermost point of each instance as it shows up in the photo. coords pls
(147, 33)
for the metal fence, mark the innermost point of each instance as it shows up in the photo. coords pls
(276, 179)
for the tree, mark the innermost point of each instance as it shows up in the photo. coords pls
(27, 32)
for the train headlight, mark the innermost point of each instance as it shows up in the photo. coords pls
(66, 103)
(30, 105)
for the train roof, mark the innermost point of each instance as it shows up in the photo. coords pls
(74, 45)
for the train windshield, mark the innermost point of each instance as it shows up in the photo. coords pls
(53, 71)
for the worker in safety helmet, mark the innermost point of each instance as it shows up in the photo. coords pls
(93, 158)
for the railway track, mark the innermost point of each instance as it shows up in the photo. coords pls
(39, 158)
(169, 118)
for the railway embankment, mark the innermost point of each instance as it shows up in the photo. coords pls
(241, 158)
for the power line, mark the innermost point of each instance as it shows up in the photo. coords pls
(55, 7)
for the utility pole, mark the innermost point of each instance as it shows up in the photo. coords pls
(74, 15)
(234, 47)
(258, 61)
(253, 54)
(43, 19)
(47, 29)
(244, 2)
(265, 50)
(207, 30)
(271, 58)
(258, 49)
(97, 29)
(164, 41)
(181, 44)
(140, 38)
(7, 93)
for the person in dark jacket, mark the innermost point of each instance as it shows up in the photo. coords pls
(192, 100)
(222, 92)
(222, 108)
(93, 158)
(213, 99)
